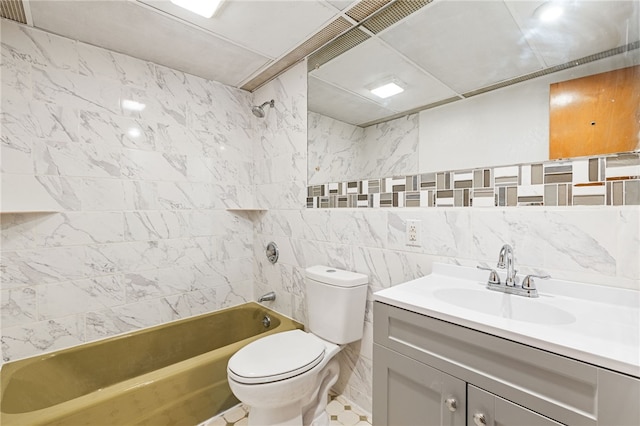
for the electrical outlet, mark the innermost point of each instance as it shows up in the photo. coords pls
(413, 233)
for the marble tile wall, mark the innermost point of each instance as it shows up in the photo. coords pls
(342, 152)
(143, 236)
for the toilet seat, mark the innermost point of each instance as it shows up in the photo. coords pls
(276, 357)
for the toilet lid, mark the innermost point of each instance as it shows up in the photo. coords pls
(276, 357)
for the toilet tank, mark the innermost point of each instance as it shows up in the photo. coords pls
(336, 301)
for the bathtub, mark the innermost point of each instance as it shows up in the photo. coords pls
(171, 374)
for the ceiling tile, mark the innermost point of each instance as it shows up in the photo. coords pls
(128, 28)
(341, 4)
(268, 27)
(465, 44)
(340, 105)
(583, 28)
(372, 62)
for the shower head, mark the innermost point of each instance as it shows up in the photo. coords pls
(258, 111)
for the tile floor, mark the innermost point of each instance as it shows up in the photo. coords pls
(340, 411)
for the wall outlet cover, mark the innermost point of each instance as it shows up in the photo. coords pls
(414, 233)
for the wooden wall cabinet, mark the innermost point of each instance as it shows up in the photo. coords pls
(598, 114)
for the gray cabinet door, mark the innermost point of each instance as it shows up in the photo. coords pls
(618, 399)
(409, 393)
(484, 408)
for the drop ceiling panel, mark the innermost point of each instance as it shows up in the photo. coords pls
(465, 44)
(333, 102)
(372, 62)
(341, 4)
(268, 27)
(126, 27)
(583, 28)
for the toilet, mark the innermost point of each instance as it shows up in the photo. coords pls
(285, 378)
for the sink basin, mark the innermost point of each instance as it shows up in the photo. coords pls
(597, 324)
(503, 305)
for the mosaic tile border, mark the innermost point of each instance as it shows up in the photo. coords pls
(612, 180)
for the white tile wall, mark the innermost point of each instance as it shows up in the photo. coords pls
(143, 237)
(341, 152)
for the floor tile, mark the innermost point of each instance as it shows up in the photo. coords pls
(348, 418)
(341, 412)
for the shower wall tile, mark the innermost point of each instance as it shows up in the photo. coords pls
(97, 62)
(23, 119)
(77, 297)
(22, 45)
(74, 228)
(143, 236)
(17, 234)
(72, 159)
(18, 306)
(67, 88)
(42, 336)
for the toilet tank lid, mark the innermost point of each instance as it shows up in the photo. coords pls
(337, 277)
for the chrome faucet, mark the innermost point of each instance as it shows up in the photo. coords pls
(505, 261)
(268, 297)
(510, 286)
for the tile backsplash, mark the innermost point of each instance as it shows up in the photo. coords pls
(611, 180)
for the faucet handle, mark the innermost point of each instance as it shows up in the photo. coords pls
(493, 275)
(528, 283)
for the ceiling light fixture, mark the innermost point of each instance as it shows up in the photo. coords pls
(549, 11)
(205, 8)
(387, 89)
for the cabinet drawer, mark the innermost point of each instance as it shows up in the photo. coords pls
(557, 387)
(494, 410)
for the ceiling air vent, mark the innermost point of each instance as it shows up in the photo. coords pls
(336, 48)
(394, 13)
(365, 8)
(14, 10)
(323, 36)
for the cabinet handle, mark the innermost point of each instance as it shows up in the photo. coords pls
(452, 404)
(479, 419)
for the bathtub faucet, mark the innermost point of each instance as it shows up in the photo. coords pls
(267, 297)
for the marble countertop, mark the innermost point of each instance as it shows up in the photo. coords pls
(596, 324)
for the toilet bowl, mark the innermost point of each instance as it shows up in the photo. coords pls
(281, 375)
(285, 377)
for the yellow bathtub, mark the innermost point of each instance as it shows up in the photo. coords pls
(171, 374)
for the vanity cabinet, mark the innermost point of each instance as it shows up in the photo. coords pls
(421, 363)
